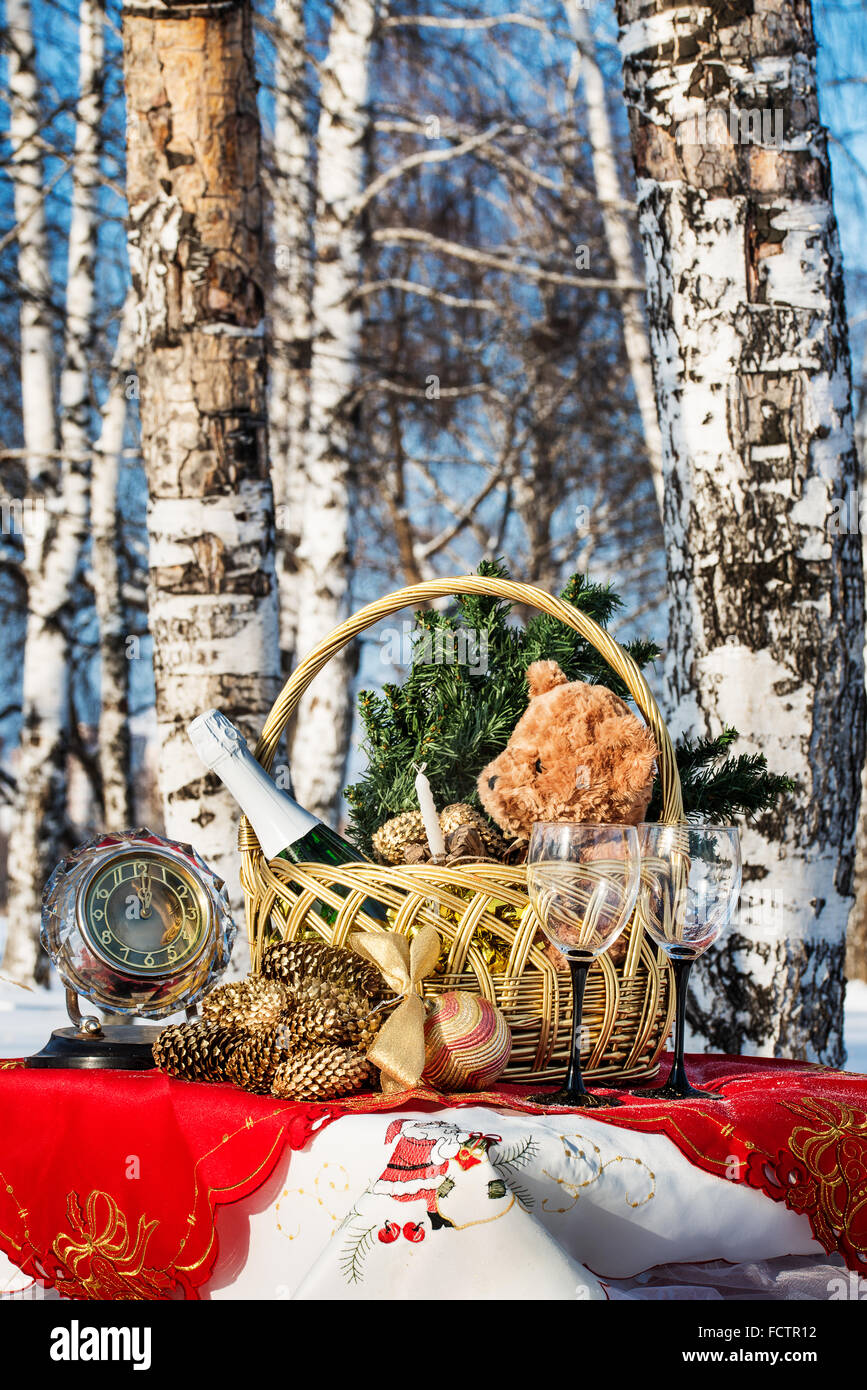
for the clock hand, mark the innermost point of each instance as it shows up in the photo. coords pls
(145, 893)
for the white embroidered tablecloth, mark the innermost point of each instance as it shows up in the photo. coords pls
(409, 1205)
(479, 1203)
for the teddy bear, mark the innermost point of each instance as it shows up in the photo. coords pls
(576, 754)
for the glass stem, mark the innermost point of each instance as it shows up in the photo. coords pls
(579, 970)
(681, 970)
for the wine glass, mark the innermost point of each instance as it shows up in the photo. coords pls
(583, 882)
(690, 882)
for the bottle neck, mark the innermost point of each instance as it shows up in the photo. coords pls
(275, 816)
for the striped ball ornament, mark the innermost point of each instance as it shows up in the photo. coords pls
(467, 1042)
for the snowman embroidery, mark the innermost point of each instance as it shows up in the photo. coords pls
(418, 1170)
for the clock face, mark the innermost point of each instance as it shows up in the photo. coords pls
(144, 914)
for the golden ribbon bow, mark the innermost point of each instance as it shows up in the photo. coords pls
(398, 1048)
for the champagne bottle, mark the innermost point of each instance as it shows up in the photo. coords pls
(283, 828)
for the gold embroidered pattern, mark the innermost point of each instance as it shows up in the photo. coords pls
(203, 1197)
(97, 1256)
(574, 1189)
(830, 1180)
(103, 1260)
(328, 1179)
(18, 1243)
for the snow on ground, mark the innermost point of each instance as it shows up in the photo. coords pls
(856, 1025)
(27, 1016)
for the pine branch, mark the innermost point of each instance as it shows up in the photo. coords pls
(516, 1155)
(698, 753)
(525, 1198)
(738, 786)
(357, 1247)
(467, 689)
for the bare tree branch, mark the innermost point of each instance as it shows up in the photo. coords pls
(397, 236)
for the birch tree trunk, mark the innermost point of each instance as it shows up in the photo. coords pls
(856, 942)
(536, 491)
(289, 306)
(53, 565)
(195, 234)
(618, 236)
(114, 738)
(34, 277)
(319, 744)
(751, 360)
(37, 809)
(79, 335)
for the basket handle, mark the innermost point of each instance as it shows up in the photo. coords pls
(617, 658)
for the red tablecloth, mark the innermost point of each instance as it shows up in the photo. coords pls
(110, 1181)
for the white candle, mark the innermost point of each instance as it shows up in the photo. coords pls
(429, 813)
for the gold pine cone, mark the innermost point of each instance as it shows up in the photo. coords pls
(321, 1073)
(320, 1011)
(461, 813)
(465, 840)
(195, 1051)
(397, 841)
(298, 962)
(391, 838)
(254, 1062)
(251, 1004)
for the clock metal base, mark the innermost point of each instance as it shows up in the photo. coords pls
(122, 1047)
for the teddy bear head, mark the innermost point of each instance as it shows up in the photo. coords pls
(577, 754)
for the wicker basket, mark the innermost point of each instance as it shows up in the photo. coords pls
(628, 1008)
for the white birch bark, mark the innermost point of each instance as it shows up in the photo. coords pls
(33, 813)
(747, 325)
(618, 237)
(34, 277)
(114, 738)
(195, 244)
(289, 306)
(319, 745)
(856, 942)
(39, 812)
(79, 334)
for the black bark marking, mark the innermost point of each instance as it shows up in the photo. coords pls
(796, 1012)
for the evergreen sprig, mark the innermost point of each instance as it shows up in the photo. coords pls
(455, 718)
(717, 788)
